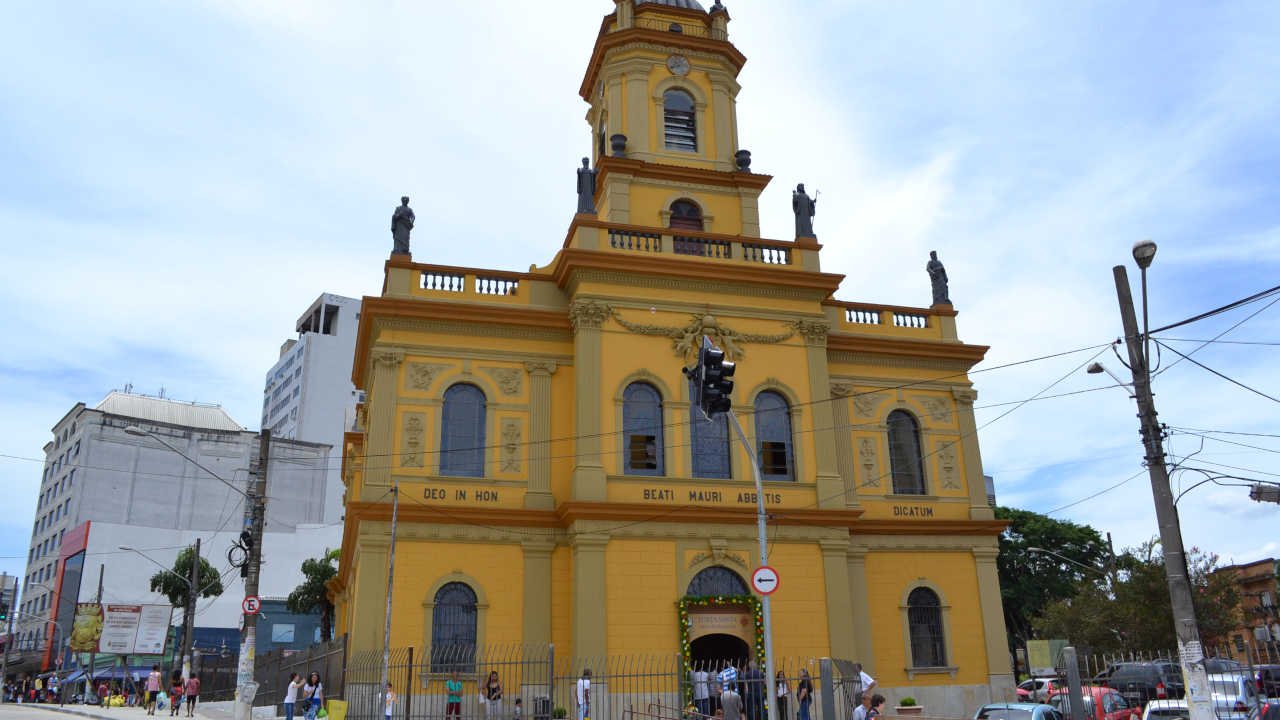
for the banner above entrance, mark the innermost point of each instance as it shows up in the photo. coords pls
(722, 622)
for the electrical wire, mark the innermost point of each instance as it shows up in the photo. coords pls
(1225, 308)
(1221, 440)
(1220, 342)
(1103, 491)
(1221, 375)
(1226, 432)
(1217, 337)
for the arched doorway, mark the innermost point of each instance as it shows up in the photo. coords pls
(711, 652)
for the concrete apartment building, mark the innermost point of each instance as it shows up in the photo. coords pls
(104, 488)
(308, 393)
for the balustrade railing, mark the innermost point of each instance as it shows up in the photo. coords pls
(698, 31)
(860, 316)
(910, 320)
(446, 281)
(489, 285)
(637, 241)
(767, 254)
(702, 247)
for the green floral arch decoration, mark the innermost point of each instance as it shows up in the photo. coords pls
(750, 602)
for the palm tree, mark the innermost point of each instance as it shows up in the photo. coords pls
(312, 594)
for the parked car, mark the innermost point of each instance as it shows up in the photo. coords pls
(1100, 703)
(1270, 711)
(1141, 682)
(1235, 697)
(1214, 666)
(1269, 680)
(1166, 710)
(1037, 689)
(1017, 711)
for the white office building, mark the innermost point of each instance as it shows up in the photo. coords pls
(105, 488)
(308, 393)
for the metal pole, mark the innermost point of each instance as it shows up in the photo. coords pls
(391, 571)
(189, 612)
(1190, 651)
(762, 532)
(255, 517)
(1074, 691)
(93, 656)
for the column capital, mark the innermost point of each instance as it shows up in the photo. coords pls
(590, 541)
(388, 358)
(814, 332)
(588, 314)
(841, 389)
(538, 546)
(540, 367)
(857, 551)
(964, 395)
(834, 546)
(985, 554)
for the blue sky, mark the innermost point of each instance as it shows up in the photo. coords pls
(179, 181)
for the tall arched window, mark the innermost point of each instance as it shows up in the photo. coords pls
(773, 437)
(680, 121)
(686, 215)
(717, 580)
(642, 429)
(924, 621)
(453, 629)
(462, 431)
(904, 454)
(710, 443)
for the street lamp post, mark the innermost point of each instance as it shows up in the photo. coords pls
(189, 607)
(254, 518)
(1190, 650)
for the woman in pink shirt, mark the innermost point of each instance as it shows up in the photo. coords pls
(153, 689)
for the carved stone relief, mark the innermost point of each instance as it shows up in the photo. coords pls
(938, 409)
(509, 379)
(865, 404)
(419, 376)
(588, 314)
(813, 331)
(511, 445)
(947, 464)
(414, 428)
(867, 455)
(686, 340)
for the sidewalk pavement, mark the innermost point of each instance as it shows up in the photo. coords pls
(205, 710)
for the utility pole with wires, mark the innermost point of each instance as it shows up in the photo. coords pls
(251, 537)
(391, 573)
(1190, 649)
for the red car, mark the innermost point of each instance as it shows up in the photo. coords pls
(1100, 703)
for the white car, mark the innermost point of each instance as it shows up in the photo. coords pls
(1166, 710)
(1235, 697)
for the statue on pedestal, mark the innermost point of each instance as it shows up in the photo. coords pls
(938, 276)
(586, 188)
(805, 207)
(401, 225)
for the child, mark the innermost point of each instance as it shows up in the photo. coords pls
(519, 712)
(453, 704)
(175, 695)
(390, 702)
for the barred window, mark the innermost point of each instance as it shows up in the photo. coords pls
(680, 121)
(717, 580)
(773, 436)
(462, 432)
(453, 629)
(710, 448)
(904, 454)
(686, 215)
(642, 429)
(924, 619)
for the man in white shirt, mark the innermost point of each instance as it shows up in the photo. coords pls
(860, 712)
(865, 680)
(583, 695)
(701, 692)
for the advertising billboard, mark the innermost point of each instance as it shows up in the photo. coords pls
(121, 629)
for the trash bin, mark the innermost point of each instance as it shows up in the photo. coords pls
(542, 708)
(337, 709)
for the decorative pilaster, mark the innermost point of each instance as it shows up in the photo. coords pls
(972, 456)
(835, 568)
(537, 591)
(831, 489)
(369, 594)
(589, 619)
(856, 558)
(993, 628)
(381, 408)
(843, 429)
(638, 110)
(587, 317)
(539, 494)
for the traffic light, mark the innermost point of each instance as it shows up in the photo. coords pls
(711, 380)
(4, 612)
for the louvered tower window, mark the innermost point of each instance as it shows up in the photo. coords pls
(773, 436)
(680, 121)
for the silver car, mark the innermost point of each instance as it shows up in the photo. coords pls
(1235, 697)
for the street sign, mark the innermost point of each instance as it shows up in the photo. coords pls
(764, 580)
(251, 605)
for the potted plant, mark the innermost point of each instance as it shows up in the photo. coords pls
(908, 706)
(559, 713)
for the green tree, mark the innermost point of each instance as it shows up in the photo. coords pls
(173, 584)
(313, 594)
(1031, 581)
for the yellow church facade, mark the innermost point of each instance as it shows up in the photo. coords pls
(555, 485)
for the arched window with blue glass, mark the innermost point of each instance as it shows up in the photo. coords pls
(709, 447)
(642, 429)
(453, 629)
(773, 437)
(462, 431)
(717, 581)
(904, 454)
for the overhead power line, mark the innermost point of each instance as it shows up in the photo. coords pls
(1221, 375)
(1225, 308)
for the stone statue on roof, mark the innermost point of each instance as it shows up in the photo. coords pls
(586, 188)
(804, 207)
(401, 226)
(938, 277)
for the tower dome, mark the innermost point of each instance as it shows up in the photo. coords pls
(684, 4)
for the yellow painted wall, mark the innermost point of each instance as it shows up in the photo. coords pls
(497, 572)
(640, 604)
(562, 598)
(800, 604)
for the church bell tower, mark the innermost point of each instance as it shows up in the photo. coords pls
(662, 86)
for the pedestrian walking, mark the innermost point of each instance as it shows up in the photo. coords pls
(728, 677)
(731, 703)
(389, 702)
(493, 696)
(312, 696)
(783, 690)
(701, 691)
(104, 694)
(804, 695)
(153, 689)
(864, 707)
(453, 697)
(582, 695)
(291, 695)
(754, 690)
(877, 706)
(191, 694)
(865, 681)
(175, 694)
